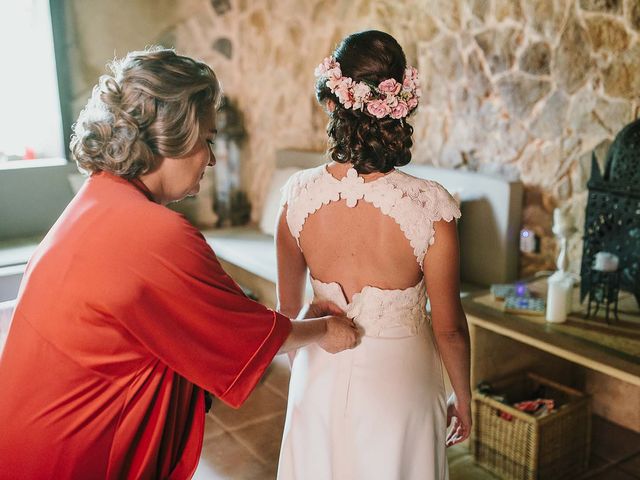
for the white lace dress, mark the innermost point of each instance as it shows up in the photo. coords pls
(376, 411)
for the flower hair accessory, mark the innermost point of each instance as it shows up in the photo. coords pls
(388, 98)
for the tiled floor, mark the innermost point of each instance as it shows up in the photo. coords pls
(243, 444)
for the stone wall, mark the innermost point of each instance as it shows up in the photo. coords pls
(511, 87)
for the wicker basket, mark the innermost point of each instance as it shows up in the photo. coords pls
(525, 447)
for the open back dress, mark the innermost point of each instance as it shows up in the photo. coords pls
(377, 411)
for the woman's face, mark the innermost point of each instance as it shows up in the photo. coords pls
(181, 176)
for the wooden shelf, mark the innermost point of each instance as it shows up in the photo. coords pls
(613, 349)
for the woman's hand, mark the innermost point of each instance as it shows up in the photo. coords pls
(341, 334)
(459, 419)
(321, 308)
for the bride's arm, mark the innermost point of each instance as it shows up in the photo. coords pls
(442, 278)
(292, 269)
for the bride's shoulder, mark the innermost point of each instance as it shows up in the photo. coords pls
(428, 193)
(413, 184)
(301, 180)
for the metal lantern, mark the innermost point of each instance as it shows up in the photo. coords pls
(231, 205)
(612, 221)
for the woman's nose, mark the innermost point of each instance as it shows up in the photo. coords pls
(212, 159)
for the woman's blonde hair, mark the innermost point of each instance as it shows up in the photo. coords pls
(150, 107)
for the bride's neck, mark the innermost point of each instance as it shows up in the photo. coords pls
(339, 170)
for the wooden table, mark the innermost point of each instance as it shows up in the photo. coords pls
(587, 354)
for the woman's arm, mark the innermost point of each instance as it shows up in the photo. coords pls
(442, 277)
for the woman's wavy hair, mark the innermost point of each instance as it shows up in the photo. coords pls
(370, 144)
(151, 107)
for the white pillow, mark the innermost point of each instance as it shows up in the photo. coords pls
(271, 205)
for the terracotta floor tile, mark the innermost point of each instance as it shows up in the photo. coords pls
(631, 466)
(596, 465)
(263, 403)
(263, 438)
(612, 474)
(277, 377)
(223, 457)
(613, 442)
(456, 452)
(212, 427)
(464, 468)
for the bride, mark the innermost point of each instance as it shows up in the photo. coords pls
(377, 242)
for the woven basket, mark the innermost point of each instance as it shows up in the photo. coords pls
(525, 447)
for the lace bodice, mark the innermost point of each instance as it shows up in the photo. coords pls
(375, 309)
(414, 203)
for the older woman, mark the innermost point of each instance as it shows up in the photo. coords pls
(125, 314)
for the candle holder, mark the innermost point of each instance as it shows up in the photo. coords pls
(612, 217)
(560, 284)
(603, 289)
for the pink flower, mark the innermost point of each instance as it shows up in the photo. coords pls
(378, 108)
(411, 73)
(410, 81)
(389, 86)
(391, 100)
(401, 110)
(333, 83)
(412, 103)
(407, 84)
(344, 92)
(361, 91)
(327, 65)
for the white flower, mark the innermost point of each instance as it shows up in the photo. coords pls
(352, 188)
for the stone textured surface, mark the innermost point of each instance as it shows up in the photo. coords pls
(536, 58)
(610, 6)
(499, 47)
(529, 86)
(607, 34)
(621, 78)
(633, 13)
(572, 61)
(520, 93)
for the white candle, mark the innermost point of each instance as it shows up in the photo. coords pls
(559, 291)
(605, 262)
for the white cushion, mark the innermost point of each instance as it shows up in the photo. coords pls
(272, 199)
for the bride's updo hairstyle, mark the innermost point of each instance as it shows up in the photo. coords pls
(356, 136)
(150, 107)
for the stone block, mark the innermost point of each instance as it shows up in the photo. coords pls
(572, 64)
(550, 122)
(621, 78)
(606, 34)
(499, 46)
(633, 13)
(520, 93)
(536, 58)
(609, 6)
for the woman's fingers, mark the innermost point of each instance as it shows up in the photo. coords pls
(341, 335)
(325, 307)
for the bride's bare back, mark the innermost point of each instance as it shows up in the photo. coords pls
(357, 231)
(357, 246)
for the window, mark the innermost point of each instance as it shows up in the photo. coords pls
(31, 125)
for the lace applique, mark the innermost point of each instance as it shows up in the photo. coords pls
(375, 309)
(414, 203)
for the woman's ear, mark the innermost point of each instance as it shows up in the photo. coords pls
(330, 105)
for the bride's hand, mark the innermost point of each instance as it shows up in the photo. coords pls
(459, 418)
(341, 334)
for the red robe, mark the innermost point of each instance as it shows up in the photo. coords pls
(124, 315)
